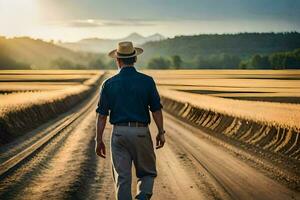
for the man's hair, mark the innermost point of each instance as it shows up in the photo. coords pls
(128, 61)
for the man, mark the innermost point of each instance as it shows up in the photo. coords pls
(127, 98)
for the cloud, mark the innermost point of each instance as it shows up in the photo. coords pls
(83, 23)
(90, 23)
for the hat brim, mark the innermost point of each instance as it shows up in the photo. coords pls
(113, 53)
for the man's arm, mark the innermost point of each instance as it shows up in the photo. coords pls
(158, 118)
(155, 108)
(160, 138)
(102, 113)
(100, 126)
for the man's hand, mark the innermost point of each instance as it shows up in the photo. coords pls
(100, 149)
(160, 140)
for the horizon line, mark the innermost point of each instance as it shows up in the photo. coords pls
(165, 37)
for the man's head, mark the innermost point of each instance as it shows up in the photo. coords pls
(126, 61)
(125, 54)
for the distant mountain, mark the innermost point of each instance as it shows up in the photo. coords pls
(135, 38)
(155, 37)
(104, 45)
(37, 53)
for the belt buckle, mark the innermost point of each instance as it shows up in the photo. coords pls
(133, 124)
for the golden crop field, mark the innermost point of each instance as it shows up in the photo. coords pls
(269, 97)
(12, 81)
(255, 107)
(21, 89)
(259, 85)
(23, 93)
(213, 118)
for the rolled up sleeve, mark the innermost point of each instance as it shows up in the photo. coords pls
(154, 104)
(103, 104)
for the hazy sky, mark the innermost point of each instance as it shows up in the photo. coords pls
(71, 20)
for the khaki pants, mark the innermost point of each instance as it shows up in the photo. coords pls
(132, 144)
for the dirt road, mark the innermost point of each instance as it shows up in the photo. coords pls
(190, 167)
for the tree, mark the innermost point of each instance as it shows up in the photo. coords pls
(62, 63)
(222, 60)
(177, 62)
(243, 64)
(6, 62)
(265, 63)
(277, 60)
(291, 61)
(255, 62)
(296, 52)
(260, 62)
(229, 61)
(159, 63)
(97, 64)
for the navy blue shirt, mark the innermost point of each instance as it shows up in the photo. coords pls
(128, 96)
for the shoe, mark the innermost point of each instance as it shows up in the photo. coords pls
(143, 196)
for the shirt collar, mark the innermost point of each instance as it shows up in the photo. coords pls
(127, 69)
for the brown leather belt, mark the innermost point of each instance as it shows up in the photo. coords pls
(132, 124)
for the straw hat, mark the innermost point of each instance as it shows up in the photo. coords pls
(125, 50)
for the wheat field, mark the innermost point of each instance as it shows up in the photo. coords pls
(30, 98)
(258, 108)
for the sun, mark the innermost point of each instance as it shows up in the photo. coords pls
(17, 14)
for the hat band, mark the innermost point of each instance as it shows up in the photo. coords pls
(123, 54)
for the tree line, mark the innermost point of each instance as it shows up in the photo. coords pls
(279, 60)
